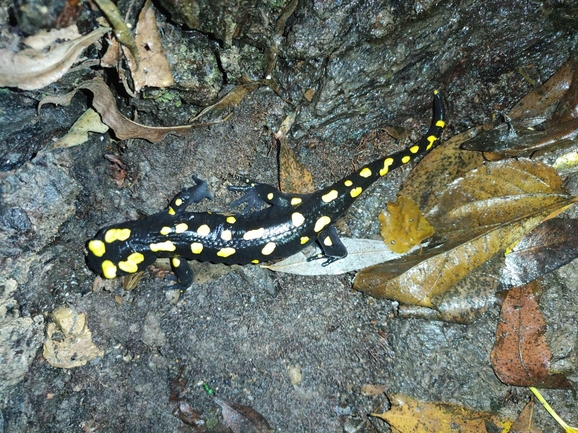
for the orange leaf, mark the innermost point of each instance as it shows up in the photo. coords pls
(521, 356)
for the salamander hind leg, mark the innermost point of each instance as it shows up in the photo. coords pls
(331, 246)
(187, 196)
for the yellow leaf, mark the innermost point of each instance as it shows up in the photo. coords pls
(404, 226)
(408, 415)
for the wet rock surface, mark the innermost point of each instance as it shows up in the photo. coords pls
(363, 65)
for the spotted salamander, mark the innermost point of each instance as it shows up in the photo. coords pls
(286, 226)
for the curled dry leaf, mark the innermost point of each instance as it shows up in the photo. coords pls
(475, 218)
(408, 415)
(403, 226)
(521, 356)
(31, 69)
(525, 422)
(549, 246)
(242, 419)
(104, 103)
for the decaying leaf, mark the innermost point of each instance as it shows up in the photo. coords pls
(553, 105)
(361, 254)
(438, 168)
(521, 356)
(525, 422)
(549, 246)
(121, 31)
(89, 121)
(153, 69)
(104, 103)
(475, 218)
(242, 419)
(179, 404)
(31, 69)
(68, 341)
(403, 226)
(408, 415)
(293, 175)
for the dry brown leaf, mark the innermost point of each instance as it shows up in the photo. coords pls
(403, 226)
(408, 415)
(477, 217)
(525, 422)
(235, 96)
(31, 69)
(153, 69)
(104, 103)
(521, 356)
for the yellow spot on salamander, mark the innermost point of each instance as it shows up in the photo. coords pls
(295, 201)
(130, 265)
(196, 247)
(297, 219)
(108, 269)
(406, 159)
(304, 240)
(162, 246)
(178, 202)
(366, 172)
(268, 248)
(386, 163)
(431, 140)
(327, 241)
(255, 261)
(254, 234)
(270, 196)
(112, 235)
(203, 230)
(348, 183)
(97, 247)
(330, 196)
(182, 227)
(321, 223)
(231, 219)
(165, 230)
(171, 211)
(414, 149)
(226, 235)
(226, 252)
(441, 124)
(355, 191)
(176, 262)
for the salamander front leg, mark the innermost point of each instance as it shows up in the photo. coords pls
(258, 194)
(183, 275)
(194, 194)
(331, 246)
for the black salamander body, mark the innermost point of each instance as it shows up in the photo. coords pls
(289, 224)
